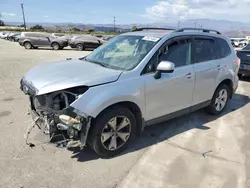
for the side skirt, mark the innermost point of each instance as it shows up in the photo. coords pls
(177, 113)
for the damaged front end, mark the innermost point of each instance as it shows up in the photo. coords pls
(53, 114)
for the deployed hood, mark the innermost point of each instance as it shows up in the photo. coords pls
(46, 78)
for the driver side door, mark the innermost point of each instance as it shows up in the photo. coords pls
(172, 94)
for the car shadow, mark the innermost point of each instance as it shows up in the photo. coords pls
(163, 131)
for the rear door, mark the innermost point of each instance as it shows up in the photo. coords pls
(44, 40)
(207, 67)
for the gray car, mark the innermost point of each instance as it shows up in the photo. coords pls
(135, 80)
(85, 42)
(34, 40)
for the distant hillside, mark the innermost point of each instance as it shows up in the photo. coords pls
(233, 29)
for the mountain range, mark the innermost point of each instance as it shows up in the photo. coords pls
(230, 28)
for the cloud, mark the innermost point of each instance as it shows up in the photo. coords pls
(45, 16)
(173, 10)
(8, 14)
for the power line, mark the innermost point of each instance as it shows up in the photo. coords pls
(24, 22)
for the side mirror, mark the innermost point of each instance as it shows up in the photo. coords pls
(164, 67)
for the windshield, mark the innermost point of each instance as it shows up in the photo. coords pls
(123, 52)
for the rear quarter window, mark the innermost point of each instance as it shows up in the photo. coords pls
(225, 50)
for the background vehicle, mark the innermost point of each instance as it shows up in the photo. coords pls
(239, 42)
(34, 40)
(12, 37)
(136, 79)
(244, 56)
(85, 42)
(3, 35)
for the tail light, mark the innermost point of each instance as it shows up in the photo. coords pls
(237, 61)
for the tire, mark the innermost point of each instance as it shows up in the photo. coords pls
(219, 103)
(79, 47)
(27, 45)
(55, 46)
(240, 76)
(105, 146)
(12, 40)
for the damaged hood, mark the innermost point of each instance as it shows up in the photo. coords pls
(49, 77)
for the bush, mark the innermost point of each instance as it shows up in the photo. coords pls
(37, 27)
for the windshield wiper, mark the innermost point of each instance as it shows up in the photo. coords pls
(96, 62)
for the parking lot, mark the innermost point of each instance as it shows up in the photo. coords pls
(198, 150)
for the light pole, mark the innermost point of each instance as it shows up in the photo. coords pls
(24, 22)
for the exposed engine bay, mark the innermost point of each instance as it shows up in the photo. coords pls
(53, 114)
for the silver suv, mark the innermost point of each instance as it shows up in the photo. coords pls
(33, 40)
(134, 80)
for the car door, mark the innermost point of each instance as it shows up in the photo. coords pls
(173, 92)
(207, 67)
(44, 40)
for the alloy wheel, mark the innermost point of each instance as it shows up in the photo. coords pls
(221, 100)
(116, 133)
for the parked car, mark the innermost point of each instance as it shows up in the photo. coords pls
(239, 42)
(14, 37)
(3, 35)
(135, 80)
(34, 40)
(244, 56)
(85, 42)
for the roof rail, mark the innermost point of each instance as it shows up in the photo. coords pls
(153, 28)
(198, 29)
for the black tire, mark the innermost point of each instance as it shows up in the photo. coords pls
(211, 109)
(27, 45)
(80, 47)
(240, 76)
(99, 124)
(55, 46)
(12, 40)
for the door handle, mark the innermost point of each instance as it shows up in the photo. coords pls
(218, 67)
(189, 75)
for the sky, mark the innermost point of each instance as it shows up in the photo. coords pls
(125, 11)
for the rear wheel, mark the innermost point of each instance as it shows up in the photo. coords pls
(219, 100)
(79, 47)
(112, 131)
(55, 46)
(27, 45)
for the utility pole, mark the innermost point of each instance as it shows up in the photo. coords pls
(114, 23)
(24, 23)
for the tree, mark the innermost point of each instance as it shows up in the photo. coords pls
(75, 29)
(133, 28)
(89, 30)
(37, 27)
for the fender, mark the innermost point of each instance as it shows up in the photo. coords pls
(98, 98)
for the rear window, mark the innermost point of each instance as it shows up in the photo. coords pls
(205, 50)
(224, 48)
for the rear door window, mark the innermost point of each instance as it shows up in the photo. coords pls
(205, 50)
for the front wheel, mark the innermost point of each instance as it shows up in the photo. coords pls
(219, 100)
(112, 131)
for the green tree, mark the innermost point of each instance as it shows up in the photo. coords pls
(75, 29)
(37, 27)
(133, 28)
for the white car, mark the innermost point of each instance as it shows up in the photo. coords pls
(3, 35)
